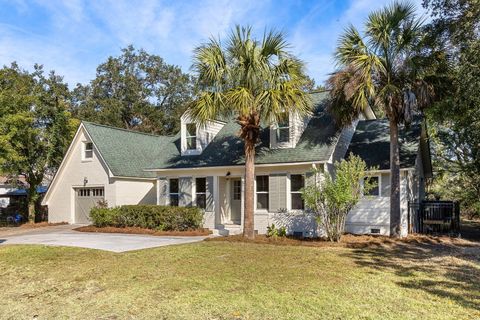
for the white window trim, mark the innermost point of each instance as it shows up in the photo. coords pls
(234, 194)
(169, 193)
(379, 186)
(289, 189)
(90, 191)
(275, 127)
(194, 190)
(84, 150)
(187, 136)
(262, 192)
(278, 130)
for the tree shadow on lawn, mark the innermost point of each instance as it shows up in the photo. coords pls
(420, 261)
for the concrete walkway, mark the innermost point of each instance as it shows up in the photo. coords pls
(64, 236)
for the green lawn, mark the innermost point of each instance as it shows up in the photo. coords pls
(222, 280)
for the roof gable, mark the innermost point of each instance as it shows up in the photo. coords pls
(126, 152)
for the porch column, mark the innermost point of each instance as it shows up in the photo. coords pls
(242, 204)
(216, 200)
(161, 191)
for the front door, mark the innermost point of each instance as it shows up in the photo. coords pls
(236, 201)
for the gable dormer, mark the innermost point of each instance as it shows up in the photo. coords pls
(195, 138)
(286, 133)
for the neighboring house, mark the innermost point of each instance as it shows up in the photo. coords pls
(204, 166)
(9, 184)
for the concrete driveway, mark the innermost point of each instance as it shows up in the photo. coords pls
(64, 236)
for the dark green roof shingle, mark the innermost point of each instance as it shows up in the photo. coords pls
(126, 152)
(316, 144)
(371, 142)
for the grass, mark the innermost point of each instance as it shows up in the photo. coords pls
(235, 280)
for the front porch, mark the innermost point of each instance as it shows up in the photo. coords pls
(220, 191)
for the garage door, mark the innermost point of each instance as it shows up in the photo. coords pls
(86, 199)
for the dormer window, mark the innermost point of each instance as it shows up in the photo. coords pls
(191, 136)
(283, 129)
(194, 138)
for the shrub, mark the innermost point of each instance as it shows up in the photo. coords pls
(162, 218)
(333, 198)
(103, 217)
(274, 232)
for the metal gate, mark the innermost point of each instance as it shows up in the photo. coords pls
(434, 217)
(85, 200)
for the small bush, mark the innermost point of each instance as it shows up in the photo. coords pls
(274, 232)
(163, 218)
(282, 232)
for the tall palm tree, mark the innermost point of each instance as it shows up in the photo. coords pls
(252, 81)
(381, 69)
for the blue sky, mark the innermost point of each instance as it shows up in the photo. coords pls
(74, 36)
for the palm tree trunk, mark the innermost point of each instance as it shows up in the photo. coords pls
(395, 216)
(248, 224)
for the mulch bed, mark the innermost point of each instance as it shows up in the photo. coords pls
(347, 241)
(40, 225)
(135, 230)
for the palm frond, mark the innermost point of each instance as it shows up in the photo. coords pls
(342, 86)
(253, 80)
(379, 68)
(350, 46)
(208, 106)
(210, 64)
(273, 44)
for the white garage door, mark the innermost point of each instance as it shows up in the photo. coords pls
(86, 199)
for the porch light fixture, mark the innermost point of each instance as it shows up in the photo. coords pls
(85, 181)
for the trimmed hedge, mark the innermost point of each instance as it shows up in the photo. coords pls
(162, 218)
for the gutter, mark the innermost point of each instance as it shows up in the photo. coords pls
(237, 166)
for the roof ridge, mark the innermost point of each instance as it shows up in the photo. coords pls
(127, 130)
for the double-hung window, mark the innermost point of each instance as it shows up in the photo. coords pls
(87, 150)
(375, 191)
(201, 192)
(173, 190)
(262, 192)
(191, 134)
(283, 129)
(297, 182)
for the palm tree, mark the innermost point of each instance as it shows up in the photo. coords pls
(252, 81)
(380, 69)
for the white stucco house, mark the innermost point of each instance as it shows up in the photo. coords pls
(204, 167)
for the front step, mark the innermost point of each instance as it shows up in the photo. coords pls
(228, 230)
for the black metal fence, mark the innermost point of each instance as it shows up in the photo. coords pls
(434, 217)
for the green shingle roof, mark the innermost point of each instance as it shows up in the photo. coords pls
(316, 144)
(371, 142)
(128, 153)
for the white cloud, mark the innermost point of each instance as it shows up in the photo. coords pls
(77, 35)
